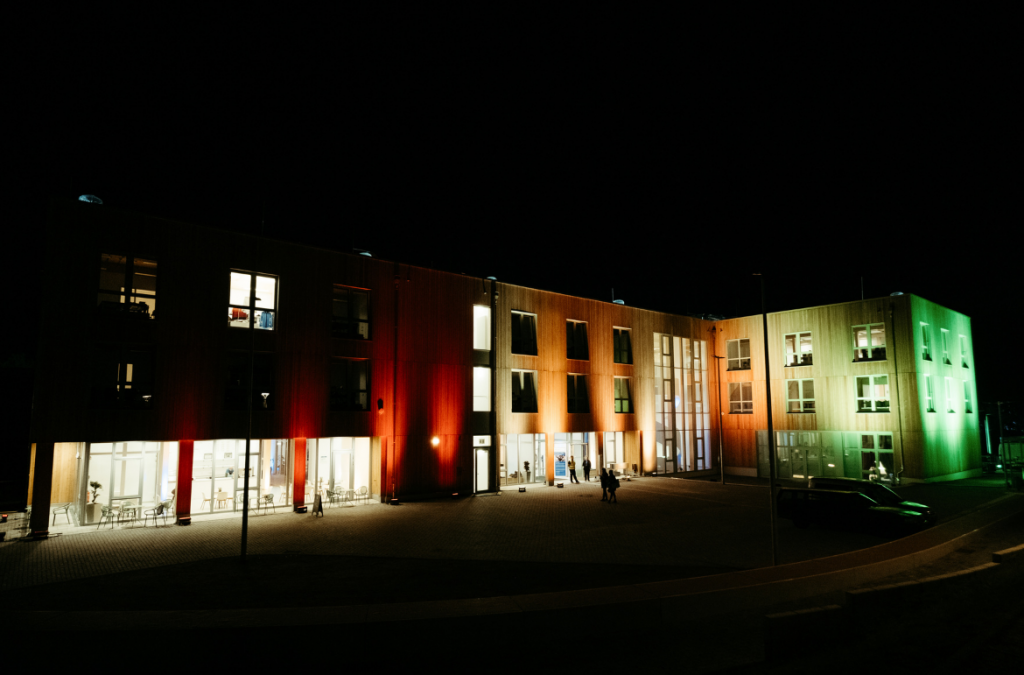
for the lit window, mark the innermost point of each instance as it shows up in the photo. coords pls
(577, 399)
(127, 286)
(350, 313)
(622, 345)
(623, 396)
(869, 342)
(481, 389)
(873, 393)
(929, 394)
(741, 398)
(576, 346)
(798, 349)
(800, 396)
(252, 301)
(236, 386)
(350, 385)
(524, 333)
(968, 401)
(949, 395)
(926, 352)
(963, 351)
(122, 377)
(482, 329)
(945, 347)
(524, 391)
(738, 352)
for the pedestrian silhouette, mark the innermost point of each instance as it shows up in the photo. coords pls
(604, 485)
(613, 485)
(586, 469)
(572, 470)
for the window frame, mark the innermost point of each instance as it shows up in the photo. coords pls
(874, 400)
(518, 373)
(350, 320)
(802, 399)
(804, 359)
(929, 394)
(623, 402)
(573, 396)
(355, 392)
(572, 326)
(968, 398)
(128, 291)
(476, 396)
(618, 351)
(949, 395)
(745, 405)
(926, 350)
(127, 392)
(487, 327)
(945, 347)
(963, 352)
(870, 348)
(512, 340)
(275, 311)
(739, 355)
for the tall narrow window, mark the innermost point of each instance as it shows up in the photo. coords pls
(524, 391)
(252, 301)
(622, 345)
(576, 389)
(949, 395)
(738, 352)
(869, 342)
(482, 328)
(968, 401)
(524, 333)
(481, 389)
(798, 349)
(350, 385)
(741, 398)
(926, 351)
(122, 377)
(963, 351)
(945, 347)
(873, 394)
(623, 396)
(350, 313)
(127, 286)
(800, 396)
(576, 346)
(929, 394)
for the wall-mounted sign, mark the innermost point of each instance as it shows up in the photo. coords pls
(481, 441)
(560, 465)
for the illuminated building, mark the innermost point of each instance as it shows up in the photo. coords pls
(143, 386)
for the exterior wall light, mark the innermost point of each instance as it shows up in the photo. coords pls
(380, 406)
(435, 441)
(265, 395)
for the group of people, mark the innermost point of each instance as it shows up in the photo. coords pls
(609, 483)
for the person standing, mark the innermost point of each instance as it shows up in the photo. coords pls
(613, 485)
(572, 470)
(586, 469)
(604, 485)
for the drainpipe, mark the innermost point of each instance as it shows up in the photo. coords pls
(394, 390)
(896, 383)
(495, 450)
(721, 412)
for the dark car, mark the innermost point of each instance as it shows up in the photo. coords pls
(879, 493)
(846, 509)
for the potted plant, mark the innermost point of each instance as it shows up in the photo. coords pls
(92, 509)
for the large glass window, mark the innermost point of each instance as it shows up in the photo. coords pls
(524, 391)
(481, 389)
(949, 395)
(576, 346)
(741, 398)
(800, 396)
(738, 352)
(350, 317)
(623, 395)
(798, 349)
(252, 301)
(122, 377)
(340, 468)
(350, 384)
(869, 342)
(218, 474)
(236, 385)
(522, 459)
(622, 345)
(873, 393)
(614, 451)
(127, 286)
(578, 400)
(481, 327)
(130, 474)
(524, 333)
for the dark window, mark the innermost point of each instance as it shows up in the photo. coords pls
(578, 401)
(127, 286)
(524, 391)
(350, 385)
(622, 346)
(236, 386)
(623, 399)
(351, 314)
(122, 377)
(576, 341)
(524, 333)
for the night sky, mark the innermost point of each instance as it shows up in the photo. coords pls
(573, 157)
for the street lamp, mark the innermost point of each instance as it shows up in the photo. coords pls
(771, 433)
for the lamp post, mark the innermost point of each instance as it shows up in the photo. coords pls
(721, 419)
(771, 433)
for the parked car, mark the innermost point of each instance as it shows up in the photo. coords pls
(882, 494)
(846, 509)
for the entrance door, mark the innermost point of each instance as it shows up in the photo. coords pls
(481, 469)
